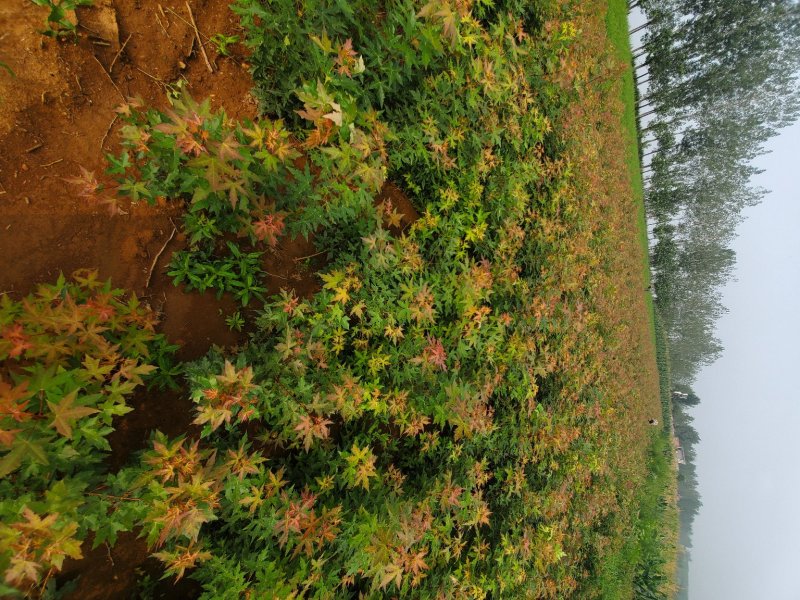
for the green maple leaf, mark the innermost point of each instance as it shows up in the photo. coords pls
(94, 370)
(135, 189)
(23, 448)
(215, 170)
(65, 413)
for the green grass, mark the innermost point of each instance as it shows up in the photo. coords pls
(652, 551)
(646, 559)
(617, 26)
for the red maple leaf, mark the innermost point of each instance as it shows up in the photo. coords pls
(87, 183)
(269, 228)
(14, 401)
(346, 58)
(18, 339)
(434, 354)
(100, 307)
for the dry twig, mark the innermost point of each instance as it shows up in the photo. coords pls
(277, 276)
(299, 258)
(162, 26)
(159, 253)
(103, 141)
(199, 41)
(153, 77)
(116, 56)
(97, 60)
(163, 14)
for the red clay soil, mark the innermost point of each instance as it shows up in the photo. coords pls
(57, 115)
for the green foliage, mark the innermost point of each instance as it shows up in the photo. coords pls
(454, 413)
(222, 41)
(237, 272)
(58, 23)
(434, 420)
(645, 556)
(249, 181)
(72, 354)
(235, 321)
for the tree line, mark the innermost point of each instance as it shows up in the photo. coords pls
(689, 502)
(717, 79)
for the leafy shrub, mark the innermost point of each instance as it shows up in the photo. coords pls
(251, 181)
(435, 421)
(71, 355)
(454, 414)
(58, 23)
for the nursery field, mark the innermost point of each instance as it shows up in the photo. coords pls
(324, 299)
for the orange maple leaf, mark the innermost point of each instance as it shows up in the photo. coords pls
(65, 413)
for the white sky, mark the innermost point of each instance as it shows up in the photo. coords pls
(746, 538)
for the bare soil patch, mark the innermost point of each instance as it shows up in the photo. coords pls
(57, 115)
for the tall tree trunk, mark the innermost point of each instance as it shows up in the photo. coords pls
(645, 104)
(640, 27)
(647, 129)
(654, 151)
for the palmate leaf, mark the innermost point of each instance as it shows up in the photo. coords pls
(94, 370)
(65, 413)
(446, 15)
(14, 401)
(391, 572)
(135, 189)
(23, 447)
(310, 428)
(11, 461)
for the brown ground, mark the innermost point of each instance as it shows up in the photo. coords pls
(56, 115)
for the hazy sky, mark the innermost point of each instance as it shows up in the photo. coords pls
(746, 538)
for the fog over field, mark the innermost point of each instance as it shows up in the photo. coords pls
(745, 536)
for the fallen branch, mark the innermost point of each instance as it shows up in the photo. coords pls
(159, 253)
(97, 60)
(125, 43)
(199, 41)
(103, 141)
